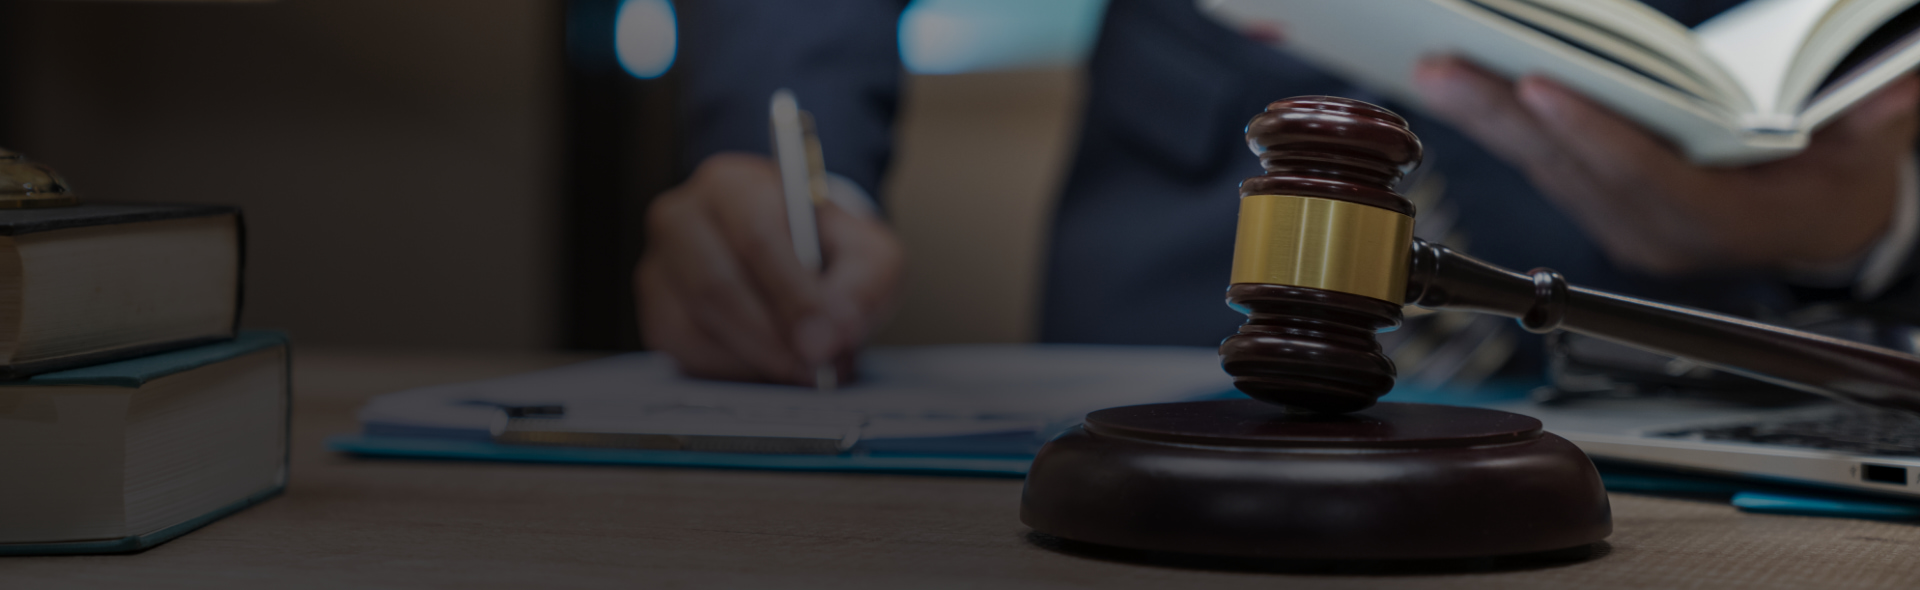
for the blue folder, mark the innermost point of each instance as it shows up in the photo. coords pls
(1011, 456)
(475, 450)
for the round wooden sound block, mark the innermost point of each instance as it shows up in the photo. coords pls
(1248, 479)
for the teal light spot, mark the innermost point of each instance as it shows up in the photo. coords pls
(960, 36)
(646, 37)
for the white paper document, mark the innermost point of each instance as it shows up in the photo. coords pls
(1022, 393)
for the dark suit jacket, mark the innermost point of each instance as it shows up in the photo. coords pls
(1143, 235)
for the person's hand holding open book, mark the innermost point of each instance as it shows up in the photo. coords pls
(1653, 210)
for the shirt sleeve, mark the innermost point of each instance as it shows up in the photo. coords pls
(1888, 258)
(840, 57)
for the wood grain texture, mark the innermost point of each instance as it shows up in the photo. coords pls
(418, 524)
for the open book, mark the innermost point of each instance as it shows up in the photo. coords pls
(1749, 85)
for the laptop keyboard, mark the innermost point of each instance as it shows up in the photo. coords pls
(1857, 431)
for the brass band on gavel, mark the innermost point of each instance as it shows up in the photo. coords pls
(1323, 244)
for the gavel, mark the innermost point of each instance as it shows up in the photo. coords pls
(1325, 257)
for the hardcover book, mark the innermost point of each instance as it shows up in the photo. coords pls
(127, 455)
(94, 283)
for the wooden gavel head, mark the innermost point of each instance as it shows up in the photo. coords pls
(1320, 259)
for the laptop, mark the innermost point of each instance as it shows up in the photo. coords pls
(1626, 405)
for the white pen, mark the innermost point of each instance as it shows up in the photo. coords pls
(803, 181)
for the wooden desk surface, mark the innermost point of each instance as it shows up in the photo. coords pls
(409, 524)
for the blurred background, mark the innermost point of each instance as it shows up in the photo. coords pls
(473, 173)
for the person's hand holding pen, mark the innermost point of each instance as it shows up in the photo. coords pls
(723, 292)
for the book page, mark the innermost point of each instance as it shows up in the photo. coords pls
(1873, 29)
(1889, 64)
(1757, 42)
(1629, 50)
(1656, 33)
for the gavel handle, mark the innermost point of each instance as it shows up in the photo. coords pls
(1542, 300)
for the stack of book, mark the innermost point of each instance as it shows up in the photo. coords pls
(132, 409)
